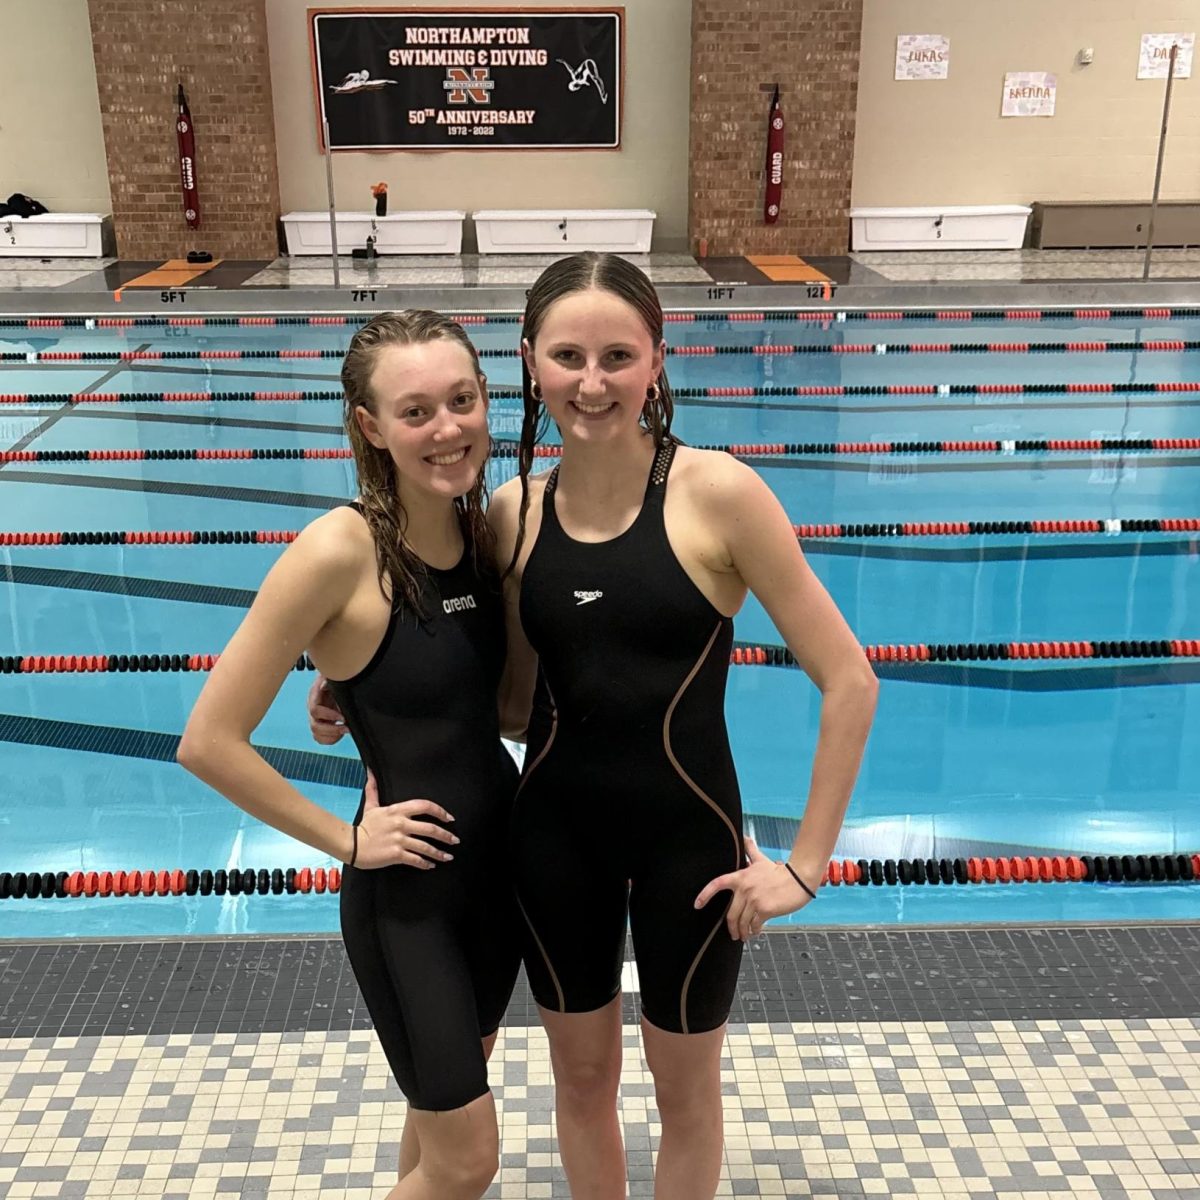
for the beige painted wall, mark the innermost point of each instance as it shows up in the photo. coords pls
(936, 142)
(649, 171)
(944, 142)
(51, 140)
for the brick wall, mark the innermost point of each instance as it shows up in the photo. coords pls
(218, 50)
(740, 49)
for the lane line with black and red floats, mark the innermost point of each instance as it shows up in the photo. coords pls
(1141, 868)
(205, 397)
(504, 450)
(772, 350)
(743, 654)
(683, 393)
(1160, 313)
(1105, 526)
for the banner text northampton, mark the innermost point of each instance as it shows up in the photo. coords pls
(417, 35)
(468, 58)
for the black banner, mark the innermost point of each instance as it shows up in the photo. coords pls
(452, 79)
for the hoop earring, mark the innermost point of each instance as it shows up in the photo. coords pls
(535, 390)
(653, 394)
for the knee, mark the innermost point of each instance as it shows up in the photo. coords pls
(583, 1083)
(474, 1170)
(678, 1108)
(467, 1170)
(686, 1098)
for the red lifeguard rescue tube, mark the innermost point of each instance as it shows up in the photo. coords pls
(187, 163)
(773, 197)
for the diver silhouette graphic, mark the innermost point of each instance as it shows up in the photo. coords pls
(583, 75)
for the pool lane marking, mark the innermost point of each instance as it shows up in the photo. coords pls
(1135, 546)
(998, 403)
(207, 368)
(205, 491)
(175, 418)
(127, 585)
(58, 414)
(323, 503)
(306, 766)
(1008, 676)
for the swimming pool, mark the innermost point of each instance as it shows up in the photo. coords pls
(988, 757)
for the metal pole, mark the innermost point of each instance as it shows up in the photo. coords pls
(337, 279)
(1162, 146)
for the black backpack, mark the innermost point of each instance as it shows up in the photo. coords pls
(19, 205)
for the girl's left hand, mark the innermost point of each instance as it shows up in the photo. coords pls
(761, 890)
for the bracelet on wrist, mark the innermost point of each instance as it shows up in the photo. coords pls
(791, 871)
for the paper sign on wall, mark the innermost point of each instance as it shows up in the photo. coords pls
(1029, 94)
(1156, 55)
(922, 56)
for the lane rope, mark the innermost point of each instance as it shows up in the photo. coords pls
(1161, 313)
(773, 350)
(1036, 527)
(507, 450)
(743, 654)
(1061, 868)
(683, 393)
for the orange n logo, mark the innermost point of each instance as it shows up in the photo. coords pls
(460, 86)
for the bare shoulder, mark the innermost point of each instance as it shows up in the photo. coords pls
(715, 481)
(337, 545)
(504, 511)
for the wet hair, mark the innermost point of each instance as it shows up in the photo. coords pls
(580, 273)
(378, 489)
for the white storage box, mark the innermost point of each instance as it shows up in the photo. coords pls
(397, 233)
(52, 235)
(957, 227)
(552, 231)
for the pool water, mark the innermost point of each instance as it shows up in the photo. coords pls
(1073, 756)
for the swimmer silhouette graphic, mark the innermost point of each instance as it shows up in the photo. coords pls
(360, 81)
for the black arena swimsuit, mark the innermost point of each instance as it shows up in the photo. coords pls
(435, 952)
(629, 801)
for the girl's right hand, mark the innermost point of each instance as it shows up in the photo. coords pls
(325, 720)
(393, 836)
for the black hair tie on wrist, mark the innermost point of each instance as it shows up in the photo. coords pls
(800, 881)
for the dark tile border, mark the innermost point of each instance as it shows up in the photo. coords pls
(258, 985)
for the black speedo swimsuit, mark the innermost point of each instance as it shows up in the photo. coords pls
(435, 952)
(629, 801)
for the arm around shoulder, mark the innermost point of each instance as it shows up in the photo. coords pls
(515, 697)
(503, 515)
